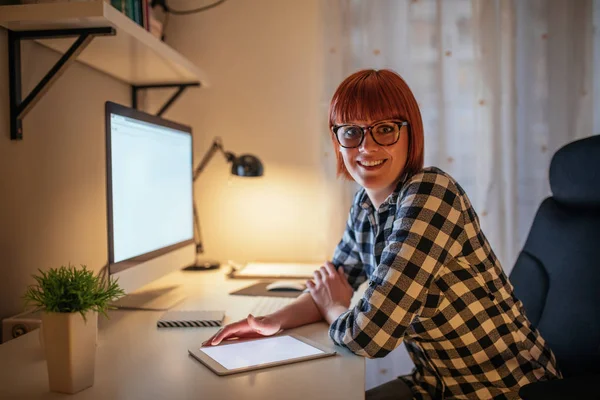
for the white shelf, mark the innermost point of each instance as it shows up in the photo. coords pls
(133, 56)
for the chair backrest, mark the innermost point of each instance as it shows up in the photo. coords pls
(557, 274)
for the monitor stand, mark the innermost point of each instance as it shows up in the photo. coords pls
(160, 299)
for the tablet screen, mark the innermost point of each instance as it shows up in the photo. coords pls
(257, 352)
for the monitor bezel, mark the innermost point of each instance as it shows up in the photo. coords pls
(118, 109)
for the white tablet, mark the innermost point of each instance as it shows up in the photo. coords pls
(241, 356)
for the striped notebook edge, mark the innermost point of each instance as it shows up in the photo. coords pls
(191, 319)
(187, 324)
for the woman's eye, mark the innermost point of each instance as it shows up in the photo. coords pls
(352, 132)
(385, 129)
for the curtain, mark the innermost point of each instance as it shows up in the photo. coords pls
(502, 85)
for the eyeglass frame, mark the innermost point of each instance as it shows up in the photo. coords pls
(369, 128)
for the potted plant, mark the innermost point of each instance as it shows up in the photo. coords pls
(70, 299)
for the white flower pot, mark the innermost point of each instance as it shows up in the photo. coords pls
(70, 347)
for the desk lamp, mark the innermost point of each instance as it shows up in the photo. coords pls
(245, 165)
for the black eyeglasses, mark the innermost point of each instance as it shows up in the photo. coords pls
(384, 133)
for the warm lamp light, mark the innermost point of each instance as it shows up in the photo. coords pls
(245, 165)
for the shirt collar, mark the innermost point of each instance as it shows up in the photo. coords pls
(365, 202)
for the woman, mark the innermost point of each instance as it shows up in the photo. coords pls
(434, 281)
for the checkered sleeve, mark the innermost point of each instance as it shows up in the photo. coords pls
(427, 232)
(347, 255)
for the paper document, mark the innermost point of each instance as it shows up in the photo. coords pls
(276, 270)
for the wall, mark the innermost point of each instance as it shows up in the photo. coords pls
(53, 204)
(264, 62)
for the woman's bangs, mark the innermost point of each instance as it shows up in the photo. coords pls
(367, 100)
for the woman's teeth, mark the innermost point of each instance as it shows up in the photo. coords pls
(371, 163)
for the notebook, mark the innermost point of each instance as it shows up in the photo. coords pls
(191, 319)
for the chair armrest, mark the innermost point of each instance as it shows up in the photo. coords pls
(576, 387)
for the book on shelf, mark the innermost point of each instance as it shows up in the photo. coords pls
(136, 10)
(145, 9)
(139, 11)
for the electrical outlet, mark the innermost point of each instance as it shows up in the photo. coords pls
(20, 324)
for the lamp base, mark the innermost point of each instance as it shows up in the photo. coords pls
(203, 265)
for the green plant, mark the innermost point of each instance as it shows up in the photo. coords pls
(69, 289)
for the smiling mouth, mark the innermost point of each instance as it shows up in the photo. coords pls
(371, 164)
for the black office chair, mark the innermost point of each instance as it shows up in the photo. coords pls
(557, 274)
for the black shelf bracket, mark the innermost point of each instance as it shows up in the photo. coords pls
(18, 107)
(180, 88)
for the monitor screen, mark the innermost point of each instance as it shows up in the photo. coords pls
(149, 184)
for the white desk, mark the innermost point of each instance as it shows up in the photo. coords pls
(136, 360)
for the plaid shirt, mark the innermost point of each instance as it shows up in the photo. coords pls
(435, 283)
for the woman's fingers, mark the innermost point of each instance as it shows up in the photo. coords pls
(222, 334)
(219, 337)
(208, 341)
(250, 327)
(325, 273)
(342, 274)
(330, 268)
(228, 331)
(317, 277)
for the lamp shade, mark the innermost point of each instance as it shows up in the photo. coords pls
(246, 165)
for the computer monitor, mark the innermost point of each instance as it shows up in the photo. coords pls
(149, 196)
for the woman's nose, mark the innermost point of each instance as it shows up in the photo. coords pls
(368, 144)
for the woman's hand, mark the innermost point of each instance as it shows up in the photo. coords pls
(251, 327)
(330, 291)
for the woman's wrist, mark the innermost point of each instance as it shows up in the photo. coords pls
(301, 312)
(333, 312)
(278, 317)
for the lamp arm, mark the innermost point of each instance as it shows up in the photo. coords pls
(198, 239)
(217, 145)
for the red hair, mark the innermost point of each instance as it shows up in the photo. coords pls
(373, 95)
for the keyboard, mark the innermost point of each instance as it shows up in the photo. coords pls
(268, 305)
